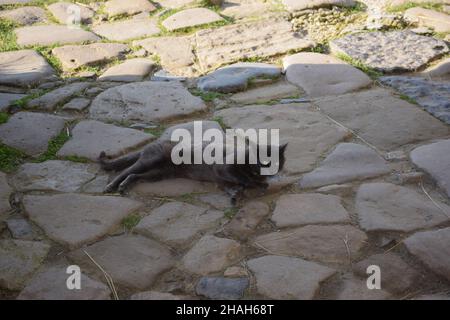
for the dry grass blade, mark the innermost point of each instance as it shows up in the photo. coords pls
(108, 278)
(352, 132)
(348, 249)
(432, 200)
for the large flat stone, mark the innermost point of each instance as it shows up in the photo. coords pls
(211, 254)
(392, 51)
(389, 207)
(298, 5)
(25, 15)
(235, 77)
(318, 243)
(23, 68)
(432, 95)
(432, 248)
(132, 70)
(50, 284)
(396, 275)
(308, 133)
(30, 132)
(74, 219)
(77, 104)
(52, 99)
(438, 21)
(216, 47)
(300, 209)
(349, 161)
(177, 223)
(247, 9)
(47, 35)
(129, 7)
(179, 61)
(264, 94)
(322, 75)
(132, 261)
(67, 12)
(5, 192)
(288, 278)
(73, 57)
(127, 29)
(145, 101)
(54, 175)
(434, 158)
(381, 119)
(244, 223)
(90, 137)
(20, 259)
(190, 18)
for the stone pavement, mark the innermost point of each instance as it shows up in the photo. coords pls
(360, 91)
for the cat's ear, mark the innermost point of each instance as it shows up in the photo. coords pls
(283, 148)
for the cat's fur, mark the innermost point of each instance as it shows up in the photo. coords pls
(154, 163)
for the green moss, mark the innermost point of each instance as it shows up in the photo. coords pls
(409, 5)
(157, 131)
(10, 158)
(406, 98)
(53, 146)
(220, 121)
(187, 197)
(22, 102)
(131, 221)
(320, 48)
(76, 159)
(207, 96)
(229, 213)
(374, 74)
(3, 117)
(46, 52)
(188, 30)
(7, 36)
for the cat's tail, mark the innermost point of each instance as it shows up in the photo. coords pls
(119, 163)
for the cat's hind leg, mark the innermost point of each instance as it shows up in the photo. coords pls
(152, 175)
(119, 163)
(134, 169)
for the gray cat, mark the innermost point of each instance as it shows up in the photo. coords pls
(154, 163)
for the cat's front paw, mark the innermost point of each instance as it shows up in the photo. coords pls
(109, 188)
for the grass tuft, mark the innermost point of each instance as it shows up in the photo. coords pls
(407, 98)
(207, 96)
(4, 117)
(131, 221)
(22, 102)
(157, 132)
(372, 73)
(10, 158)
(220, 121)
(7, 36)
(53, 146)
(229, 213)
(46, 52)
(409, 5)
